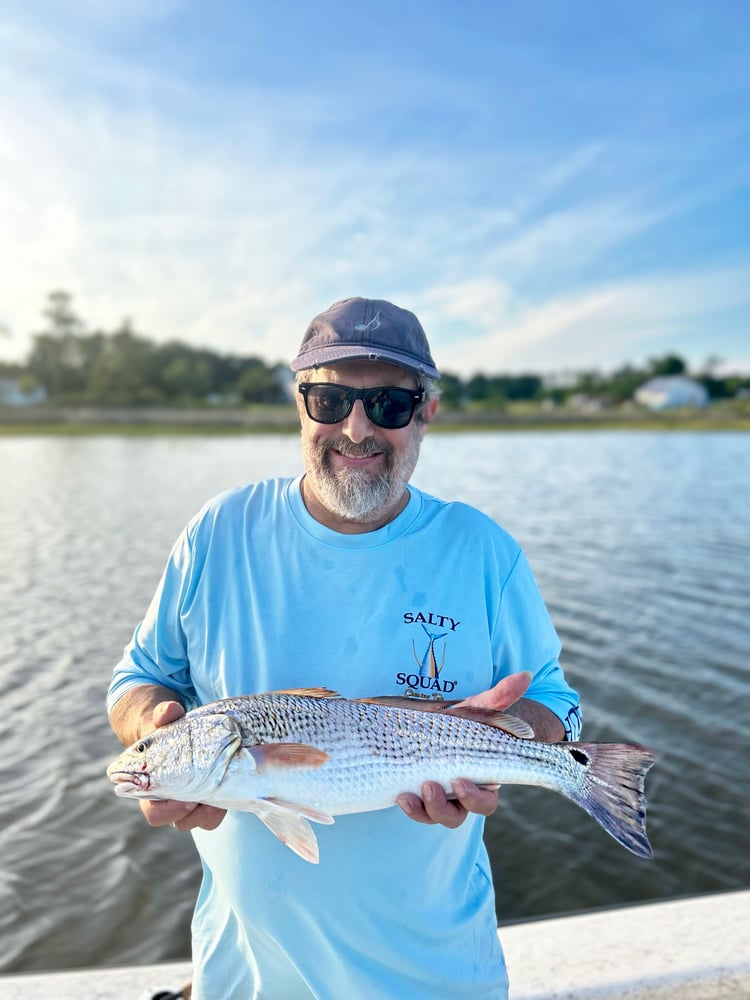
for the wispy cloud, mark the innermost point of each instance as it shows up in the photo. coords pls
(598, 327)
(227, 212)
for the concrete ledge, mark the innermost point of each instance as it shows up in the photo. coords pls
(689, 949)
(138, 982)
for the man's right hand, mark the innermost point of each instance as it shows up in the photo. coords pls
(171, 812)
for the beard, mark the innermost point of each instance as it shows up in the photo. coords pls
(356, 495)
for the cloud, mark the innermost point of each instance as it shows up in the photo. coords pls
(601, 326)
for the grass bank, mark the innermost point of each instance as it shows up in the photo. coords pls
(261, 419)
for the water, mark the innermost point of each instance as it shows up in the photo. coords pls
(641, 546)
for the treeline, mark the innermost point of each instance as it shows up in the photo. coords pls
(124, 368)
(121, 367)
(614, 389)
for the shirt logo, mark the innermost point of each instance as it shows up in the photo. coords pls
(427, 681)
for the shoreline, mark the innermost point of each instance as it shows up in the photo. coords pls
(90, 420)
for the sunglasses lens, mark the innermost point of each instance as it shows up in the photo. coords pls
(328, 404)
(390, 407)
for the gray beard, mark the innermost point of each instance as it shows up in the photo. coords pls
(358, 496)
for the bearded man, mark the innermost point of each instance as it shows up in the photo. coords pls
(334, 579)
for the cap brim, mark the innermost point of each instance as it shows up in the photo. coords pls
(341, 352)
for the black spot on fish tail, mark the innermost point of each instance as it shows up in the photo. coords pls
(613, 790)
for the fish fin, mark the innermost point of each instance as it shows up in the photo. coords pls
(613, 790)
(316, 815)
(401, 701)
(270, 755)
(289, 827)
(498, 720)
(317, 692)
(487, 716)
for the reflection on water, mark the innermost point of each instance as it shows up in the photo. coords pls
(640, 543)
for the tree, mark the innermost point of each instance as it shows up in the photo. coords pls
(123, 372)
(57, 357)
(258, 384)
(623, 383)
(669, 364)
(451, 391)
(478, 389)
(187, 377)
(520, 387)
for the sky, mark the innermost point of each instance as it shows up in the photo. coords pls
(551, 186)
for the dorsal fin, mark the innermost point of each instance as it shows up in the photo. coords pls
(487, 716)
(498, 720)
(319, 692)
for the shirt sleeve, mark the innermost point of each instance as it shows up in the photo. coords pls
(157, 653)
(525, 639)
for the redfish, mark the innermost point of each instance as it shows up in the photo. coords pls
(308, 754)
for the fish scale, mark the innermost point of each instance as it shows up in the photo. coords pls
(378, 753)
(290, 757)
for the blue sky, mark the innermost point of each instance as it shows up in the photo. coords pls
(548, 185)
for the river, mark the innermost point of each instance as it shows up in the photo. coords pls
(640, 542)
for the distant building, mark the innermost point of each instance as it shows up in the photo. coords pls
(669, 391)
(586, 403)
(12, 394)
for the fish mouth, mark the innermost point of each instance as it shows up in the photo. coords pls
(130, 781)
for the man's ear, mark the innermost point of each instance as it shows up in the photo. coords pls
(428, 411)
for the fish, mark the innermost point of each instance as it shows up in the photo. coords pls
(307, 755)
(428, 665)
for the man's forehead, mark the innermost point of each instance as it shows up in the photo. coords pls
(363, 373)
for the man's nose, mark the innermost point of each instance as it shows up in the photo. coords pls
(357, 426)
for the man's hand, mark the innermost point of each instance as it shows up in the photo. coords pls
(170, 812)
(435, 806)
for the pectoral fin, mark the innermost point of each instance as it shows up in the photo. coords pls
(271, 755)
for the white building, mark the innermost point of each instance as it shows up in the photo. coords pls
(669, 391)
(12, 394)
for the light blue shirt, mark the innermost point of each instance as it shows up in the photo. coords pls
(259, 596)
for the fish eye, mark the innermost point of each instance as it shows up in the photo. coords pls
(141, 747)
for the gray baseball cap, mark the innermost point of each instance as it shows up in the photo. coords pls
(366, 329)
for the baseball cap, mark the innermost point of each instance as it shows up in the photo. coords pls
(366, 329)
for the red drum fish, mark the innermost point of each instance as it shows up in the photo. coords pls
(308, 754)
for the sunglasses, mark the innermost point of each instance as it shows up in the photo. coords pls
(388, 406)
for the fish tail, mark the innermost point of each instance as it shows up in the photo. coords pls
(613, 790)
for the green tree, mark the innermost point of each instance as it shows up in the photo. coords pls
(478, 389)
(519, 387)
(717, 388)
(451, 391)
(669, 364)
(623, 382)
(123, 372)
(57, 359)
(258, 384)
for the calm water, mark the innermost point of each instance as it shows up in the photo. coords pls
(641, 546)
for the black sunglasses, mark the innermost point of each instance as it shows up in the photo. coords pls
(387, 406)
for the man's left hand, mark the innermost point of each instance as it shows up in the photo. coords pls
(435, 806)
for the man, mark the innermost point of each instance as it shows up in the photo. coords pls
(347, 578)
